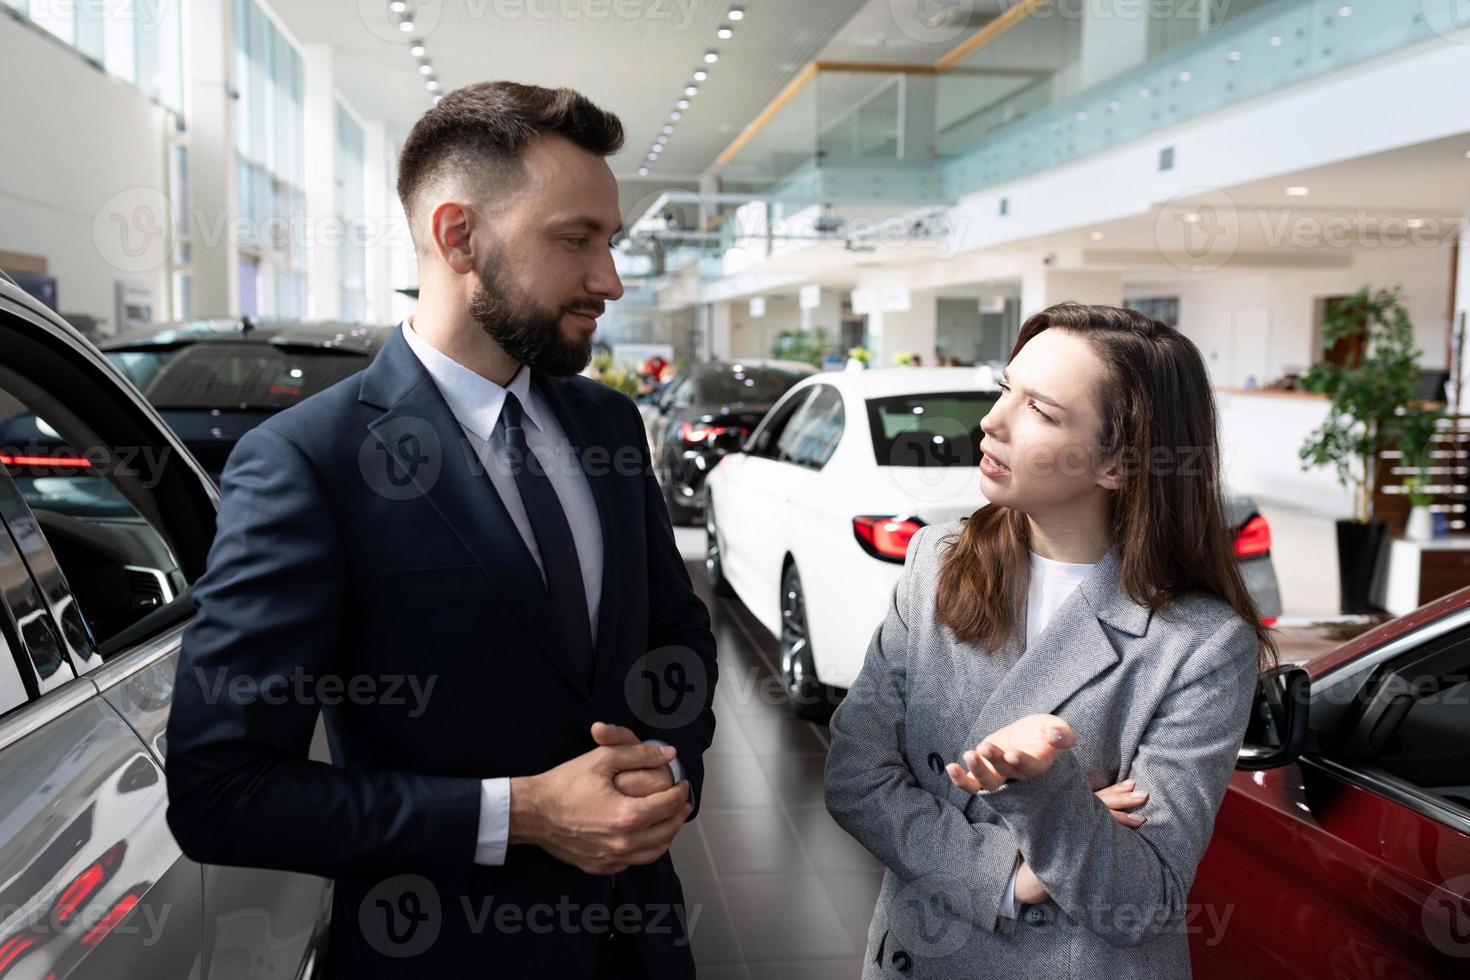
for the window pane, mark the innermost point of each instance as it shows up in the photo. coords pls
(929, 429)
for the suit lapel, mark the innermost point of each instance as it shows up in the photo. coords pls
(1069, 653)
(419, 429)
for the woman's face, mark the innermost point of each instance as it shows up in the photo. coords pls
(1040, 450)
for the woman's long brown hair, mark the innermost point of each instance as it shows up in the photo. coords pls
(1168, 519)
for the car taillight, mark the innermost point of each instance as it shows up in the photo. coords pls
(1254, 538)
(44, 461)
(886, 537)
(695, 433)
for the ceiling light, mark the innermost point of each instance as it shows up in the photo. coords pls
(1095, 236)
(667, 130)
(711, 56)
(691, 90)
(1298, 191)
(737, 13)
(1275, 40)
(432, 85)
(1185, 76)
(1233, 56)
(643, 171)
(1344, 11)
(406, 26)
(655, 151)
(724, 33)
(1190, 217)
(398, 6)
(701, 75)
(426, 69)
(417, 51)
(1416, 222)
(438, 99)
(661, 140)
(682, 103)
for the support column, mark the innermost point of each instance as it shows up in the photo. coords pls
(323, 246)
(1043, 286)
(214, 262)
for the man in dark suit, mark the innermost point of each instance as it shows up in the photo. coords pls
(461, 559)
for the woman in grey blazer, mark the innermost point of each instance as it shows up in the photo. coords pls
(1031, 859)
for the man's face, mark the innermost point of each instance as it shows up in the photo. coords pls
(549, 267)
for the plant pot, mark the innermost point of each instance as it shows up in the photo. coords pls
(1358, 545)
(1420, 525)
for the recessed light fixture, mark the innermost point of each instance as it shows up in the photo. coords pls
(1185, 76)
(1144, 93)
(1233, 56)
(711, 56)
(1297, 190)
(1095, 236)
(682, 103)
(432, 85)
(1190, 217)
(406, 26)
(438, 99)
(1344, 11)
(691, 90)
(643, 171)
(417, 50)
(398, 6)
(701, 75)
(426, 69)
(1275, 40)
(667, 130)
(661, 140)
(736, 13)
(724, 33)
(1415, 222)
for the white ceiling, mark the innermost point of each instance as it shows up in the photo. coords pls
(634, 57)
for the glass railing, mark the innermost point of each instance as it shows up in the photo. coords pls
(1258, 51)
(1025, 101)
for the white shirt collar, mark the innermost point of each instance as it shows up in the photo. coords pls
(474, 400)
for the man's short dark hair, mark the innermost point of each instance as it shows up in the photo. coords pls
(481, 129)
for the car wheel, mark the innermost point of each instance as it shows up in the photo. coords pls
(714, 568)
(809, 697)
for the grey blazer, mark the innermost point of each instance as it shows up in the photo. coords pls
(1160, 697)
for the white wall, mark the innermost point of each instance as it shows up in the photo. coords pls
(753, 336)
(1262, 322)
(82, 152)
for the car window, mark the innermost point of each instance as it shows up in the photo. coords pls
(764, 440)
(735, 383)
(117, 564)
(683, 394)
(235, 375)
(27, 622)
(813, 434)
(940, 429)
(1413, 719)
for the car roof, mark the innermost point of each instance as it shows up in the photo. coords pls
(326, 334)
(885, 382)
(771, 363)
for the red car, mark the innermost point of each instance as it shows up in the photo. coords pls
(1342, 848)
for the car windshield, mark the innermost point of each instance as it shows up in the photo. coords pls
(939, 429)
(743, 383)
(234, 375)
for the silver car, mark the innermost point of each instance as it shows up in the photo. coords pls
(105, 520)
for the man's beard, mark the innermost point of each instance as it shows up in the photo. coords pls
(529, 333)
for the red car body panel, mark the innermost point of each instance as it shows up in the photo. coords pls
(1311, 875)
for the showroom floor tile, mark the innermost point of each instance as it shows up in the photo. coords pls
(779, 890)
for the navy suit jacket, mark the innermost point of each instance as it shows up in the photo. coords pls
(362, 555)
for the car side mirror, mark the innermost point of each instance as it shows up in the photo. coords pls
(1277, 732)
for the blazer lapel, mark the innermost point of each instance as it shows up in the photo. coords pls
(1070, 652)
(420, 431)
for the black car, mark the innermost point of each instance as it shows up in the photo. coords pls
(704, 413)
(215, 380)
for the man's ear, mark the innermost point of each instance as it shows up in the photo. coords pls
(450, 225)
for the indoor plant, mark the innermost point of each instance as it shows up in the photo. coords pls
(1372, 408)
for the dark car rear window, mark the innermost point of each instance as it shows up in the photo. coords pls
(235, 375)
(749, 384)
(941, 429)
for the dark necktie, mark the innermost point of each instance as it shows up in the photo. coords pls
(553, 537)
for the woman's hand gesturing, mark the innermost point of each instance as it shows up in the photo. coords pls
(1024, 749)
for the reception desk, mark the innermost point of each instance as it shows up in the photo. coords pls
(1261, 435)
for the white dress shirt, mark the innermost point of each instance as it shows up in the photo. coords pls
(1051, 583)
(475, 402)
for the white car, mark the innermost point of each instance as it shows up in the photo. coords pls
(810, 522)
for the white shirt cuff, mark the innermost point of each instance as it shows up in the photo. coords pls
(494, 821)
(675, 767)
(1008, 904)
